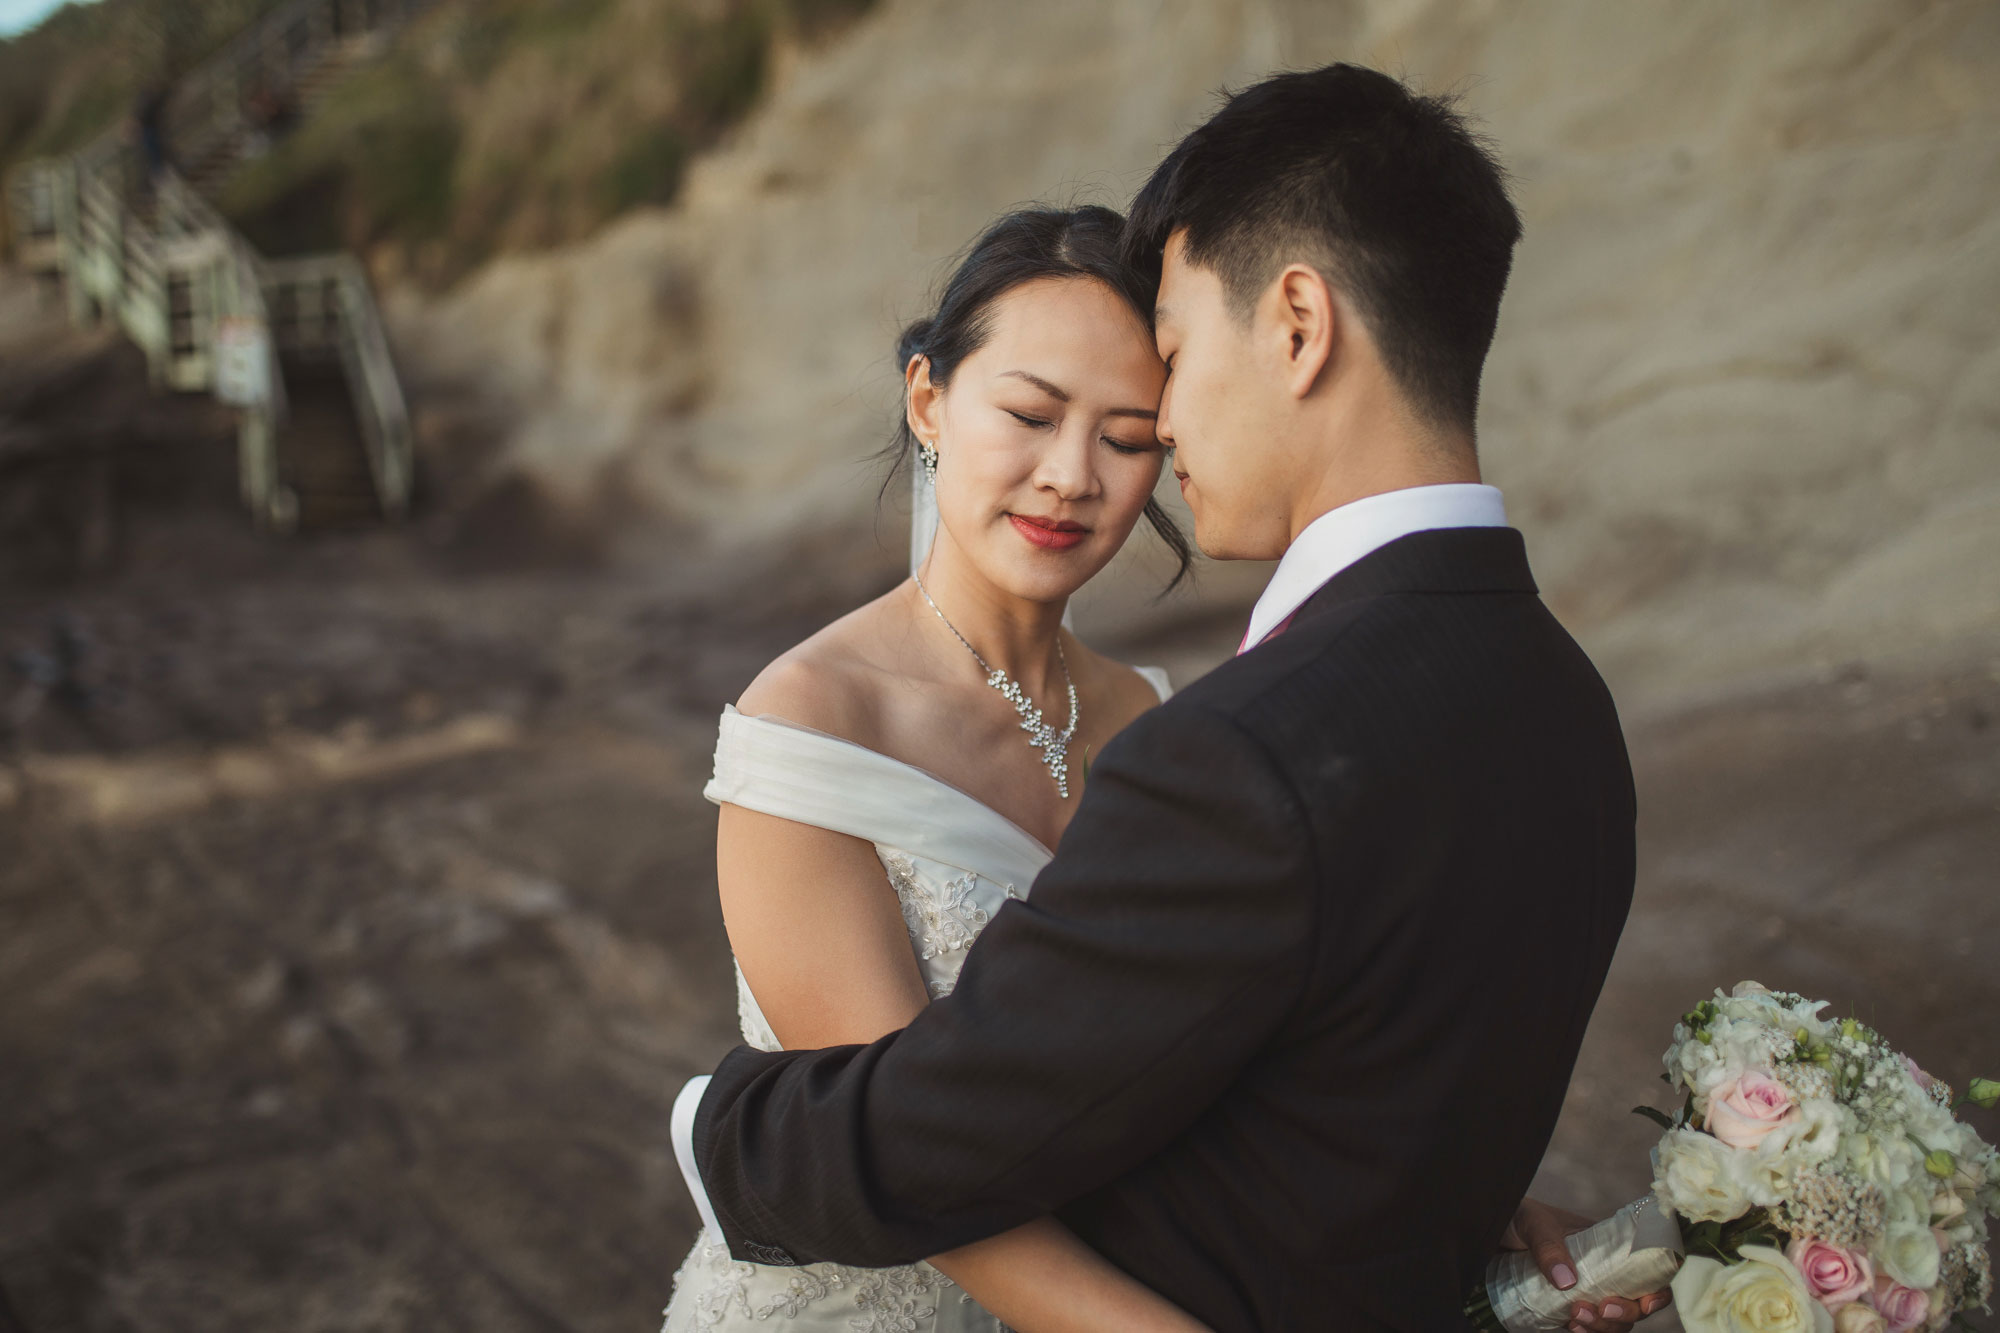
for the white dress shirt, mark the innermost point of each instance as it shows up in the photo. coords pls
(1339, 537)
(681, 1128)
(1329, 544)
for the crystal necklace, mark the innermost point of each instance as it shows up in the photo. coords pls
(1053, 744)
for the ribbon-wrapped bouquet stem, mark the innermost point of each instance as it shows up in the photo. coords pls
(1816, 1181)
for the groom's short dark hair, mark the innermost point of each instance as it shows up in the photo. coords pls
(1387, 193)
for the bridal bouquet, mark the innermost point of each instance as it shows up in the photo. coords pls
(1820, 1178)
(1815, 1181)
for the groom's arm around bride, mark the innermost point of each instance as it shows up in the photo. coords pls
(1284, 1027)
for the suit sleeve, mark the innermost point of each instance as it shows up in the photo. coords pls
(1157, 953)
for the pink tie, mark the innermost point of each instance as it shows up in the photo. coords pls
(1276, 630)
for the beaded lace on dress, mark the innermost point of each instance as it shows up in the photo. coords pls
(952, 862)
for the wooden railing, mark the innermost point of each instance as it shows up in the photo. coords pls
(31, 218)
(145, 250)
(323, 303)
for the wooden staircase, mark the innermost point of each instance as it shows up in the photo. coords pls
(323, 467)
(295, 55)
(297, 345)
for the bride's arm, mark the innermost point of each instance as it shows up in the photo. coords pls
(1041, 1278)
(817, 930)
(820, 937)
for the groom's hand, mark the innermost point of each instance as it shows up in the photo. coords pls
(1543, 1230)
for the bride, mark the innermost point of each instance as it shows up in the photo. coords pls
(888, 784)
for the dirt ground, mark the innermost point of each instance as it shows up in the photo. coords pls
(357, 919)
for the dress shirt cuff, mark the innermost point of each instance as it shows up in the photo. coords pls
(682, 1131)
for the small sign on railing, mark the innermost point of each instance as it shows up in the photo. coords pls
(242, 361)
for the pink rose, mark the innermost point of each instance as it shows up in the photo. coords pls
(1834, 1276)
(1924, 1081)
(1742, 1114)
(1902, 1306)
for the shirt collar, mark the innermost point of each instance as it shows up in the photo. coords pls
(1339, 537)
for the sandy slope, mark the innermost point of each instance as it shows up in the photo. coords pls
(1746, 394)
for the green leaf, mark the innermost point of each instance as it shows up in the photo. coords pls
(1761, 1234)
(1706, 1237)
(1654, 1114)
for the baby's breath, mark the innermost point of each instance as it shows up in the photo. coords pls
(1805, 1081)
(1829, 1204)
(1967, 1273)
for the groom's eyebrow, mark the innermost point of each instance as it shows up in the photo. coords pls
(1062, 397)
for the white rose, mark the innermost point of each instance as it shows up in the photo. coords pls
(1932, 1123)
(1749, 1000)
(1975, 1155)
(1700, 1177)
(1767, 1173)
(1884, 1162)
(1947, 1209)
(1859, 1318)
(1821, 1125)
(1696, 1065)
(1912, 1206)
(1763, 1294)
(1745, 1045)
(1908, 1252)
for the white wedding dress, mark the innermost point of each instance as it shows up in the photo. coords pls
(951, 861)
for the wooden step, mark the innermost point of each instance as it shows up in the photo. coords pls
(322, 453)
(322, 513)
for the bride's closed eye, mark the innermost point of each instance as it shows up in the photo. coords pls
(1042, 423)
(1123, 447)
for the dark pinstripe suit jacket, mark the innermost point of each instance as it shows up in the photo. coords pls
(1284, 1027)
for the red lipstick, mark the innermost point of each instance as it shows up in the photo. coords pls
(1047, 533)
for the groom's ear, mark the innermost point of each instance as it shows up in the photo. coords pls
(1309, 323)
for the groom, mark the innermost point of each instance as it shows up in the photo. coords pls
(1284, 1027)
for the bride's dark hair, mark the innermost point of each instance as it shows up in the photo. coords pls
(1023, 246)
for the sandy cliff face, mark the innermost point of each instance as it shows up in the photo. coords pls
(1746, 396)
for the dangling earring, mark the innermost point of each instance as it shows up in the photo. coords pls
(927, 454)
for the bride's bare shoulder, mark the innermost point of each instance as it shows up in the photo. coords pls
(837, 681)
(1125, 691)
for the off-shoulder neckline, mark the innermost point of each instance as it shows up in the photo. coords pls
(776, 720)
